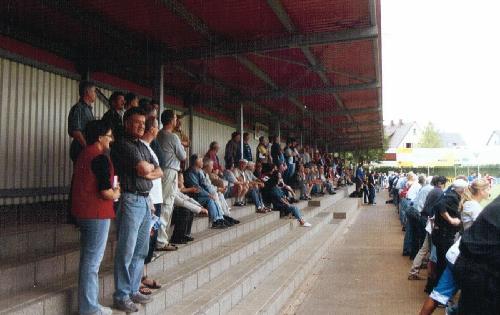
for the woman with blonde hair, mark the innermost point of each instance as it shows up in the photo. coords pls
(470, 207)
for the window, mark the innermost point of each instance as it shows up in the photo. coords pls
(408, 145)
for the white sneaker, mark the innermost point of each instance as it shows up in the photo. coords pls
(306, 224)
(103, 310)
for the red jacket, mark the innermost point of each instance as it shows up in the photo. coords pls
(86, 199)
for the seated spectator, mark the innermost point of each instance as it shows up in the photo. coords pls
(92, 205)
(280, 202)
(258, 170)
(255, 185)
(218, 192)
(184, 211)
(212, 152)
(194, 177)
(236, 188)
(326, 182)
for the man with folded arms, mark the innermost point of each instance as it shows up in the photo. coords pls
(136, 169)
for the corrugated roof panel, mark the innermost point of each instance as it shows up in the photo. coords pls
(237, 20)
(287, 75)
(149, 18)
(320, 15)
(231, 73)
(349, 60)
(356, 99)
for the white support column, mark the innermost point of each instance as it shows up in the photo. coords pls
(240, 116)
(158, 85)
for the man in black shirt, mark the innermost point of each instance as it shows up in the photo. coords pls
(136, 169)
(447, 222)
(114, 116)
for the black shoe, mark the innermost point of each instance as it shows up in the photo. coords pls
(231, 220)
(303, 198)
(228, 223)
(188, 238)
(219, 224)
(178, 241)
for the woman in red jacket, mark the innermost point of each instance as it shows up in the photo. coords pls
(93, 193)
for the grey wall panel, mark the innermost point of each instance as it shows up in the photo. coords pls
(34, 143)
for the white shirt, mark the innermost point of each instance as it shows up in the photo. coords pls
(471, 211)
(156, 193)
(413, 191)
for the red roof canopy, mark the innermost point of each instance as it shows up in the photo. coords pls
(314, 65)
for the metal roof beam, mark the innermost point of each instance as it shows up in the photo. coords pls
(227, 48)
(316, 91)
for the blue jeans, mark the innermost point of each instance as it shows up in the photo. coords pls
(403, 204)
(446, 287)
(256, 198)
(290, 171)
(93, 238)
(133, 224)
(371, 195)
(214, 211)
(295, 211)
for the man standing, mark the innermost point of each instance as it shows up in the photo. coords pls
(114, 116)
(371, 188)
(136, 169)
(360, 178)
(174, 154)
(79, 115)
(247, 150)
(232, 154)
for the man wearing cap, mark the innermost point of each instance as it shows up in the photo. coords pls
(233, 150)
(447, 222)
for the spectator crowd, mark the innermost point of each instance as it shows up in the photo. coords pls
(448, 233)
(128, 168)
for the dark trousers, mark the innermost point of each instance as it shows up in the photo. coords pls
(365, 194)
(443, 242)
(371, 195)
(182, 220)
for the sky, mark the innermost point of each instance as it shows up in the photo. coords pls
(441, 63)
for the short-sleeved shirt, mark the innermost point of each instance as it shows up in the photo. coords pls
(173, 149)
(78, 118)
(156, 193)
(126, 154)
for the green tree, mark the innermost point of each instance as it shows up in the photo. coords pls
(430, 137)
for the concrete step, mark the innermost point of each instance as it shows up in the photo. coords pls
(45, 243)
(226, 290)
(63, 289)
(35, 240)
(274, 292)
(217, 246)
